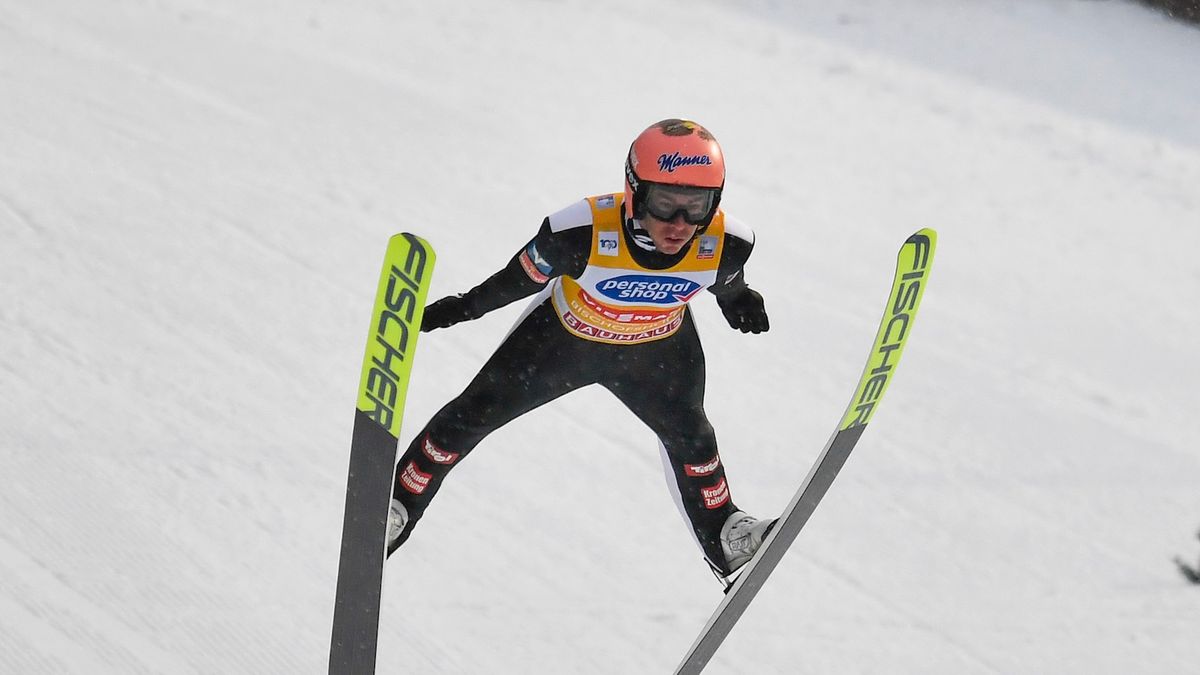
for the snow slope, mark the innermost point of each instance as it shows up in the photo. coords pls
(195, 196)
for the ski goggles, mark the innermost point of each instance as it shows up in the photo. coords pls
(667, 202)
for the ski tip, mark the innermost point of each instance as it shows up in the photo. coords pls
(924, 235)
(921, 246)
(412, 239)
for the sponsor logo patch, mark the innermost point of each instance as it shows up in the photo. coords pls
(608, 243)
(585, 329)
(716, 496)
(660, 290)
(740, 544)
(436, 454)
(708, 247)
(606, 202)
(705, 469)
(535, 265)
(414, 480)
(674, 161)
(623, 314)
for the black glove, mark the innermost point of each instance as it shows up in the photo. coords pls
(745, 311)
(446, 312)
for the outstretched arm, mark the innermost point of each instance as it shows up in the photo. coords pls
(547, 255)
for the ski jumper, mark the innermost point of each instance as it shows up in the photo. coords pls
(610, 312)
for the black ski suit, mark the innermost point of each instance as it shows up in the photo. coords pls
(660, 380)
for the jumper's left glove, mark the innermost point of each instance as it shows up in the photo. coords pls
(446, 312)
(745, 311)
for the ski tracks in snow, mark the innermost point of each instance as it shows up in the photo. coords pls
(907, 614)
(54, 628)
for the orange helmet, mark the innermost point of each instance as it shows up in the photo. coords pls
(675, 153)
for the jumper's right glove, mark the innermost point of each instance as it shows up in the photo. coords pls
(446, 312)
(745, 311)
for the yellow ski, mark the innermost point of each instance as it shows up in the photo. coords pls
(908, 287)
(391, 343)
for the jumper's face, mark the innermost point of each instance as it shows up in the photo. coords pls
(669, 236)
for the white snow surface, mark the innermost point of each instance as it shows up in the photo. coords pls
(195, 196)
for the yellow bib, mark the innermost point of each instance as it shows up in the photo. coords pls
(617, 301)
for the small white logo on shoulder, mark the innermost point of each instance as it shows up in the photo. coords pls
(608, 243)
